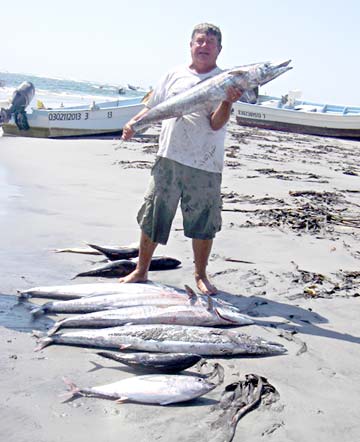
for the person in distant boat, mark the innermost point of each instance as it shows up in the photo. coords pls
(189, 163)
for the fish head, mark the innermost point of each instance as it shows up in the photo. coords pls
(258, 74)
(269, 71)
(202, 386)
(233, 316)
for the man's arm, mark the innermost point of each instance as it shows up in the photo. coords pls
(127, 131)
(222, 113)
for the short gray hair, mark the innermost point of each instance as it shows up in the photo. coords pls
(208, 29)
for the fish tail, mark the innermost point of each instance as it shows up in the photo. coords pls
(96, 366)
(22, 295)
(103, 354)
(74, 390)
(37, 311)
(54, 328)
(44, 342)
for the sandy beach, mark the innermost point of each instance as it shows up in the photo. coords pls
(288, 255)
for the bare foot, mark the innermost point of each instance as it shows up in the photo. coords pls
(134, 276)
(205, 286)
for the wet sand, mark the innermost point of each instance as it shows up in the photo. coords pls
(288, 255)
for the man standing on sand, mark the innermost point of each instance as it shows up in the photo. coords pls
(189, 163)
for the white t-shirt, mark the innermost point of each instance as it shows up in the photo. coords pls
(189, 140)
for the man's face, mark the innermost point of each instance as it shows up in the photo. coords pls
(204, 50)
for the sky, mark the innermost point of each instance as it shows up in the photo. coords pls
(136, 42)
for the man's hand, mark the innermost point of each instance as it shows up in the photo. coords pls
(127, 132)
(222, 114)
(233, 94)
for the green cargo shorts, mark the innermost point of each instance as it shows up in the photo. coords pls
(199, 192)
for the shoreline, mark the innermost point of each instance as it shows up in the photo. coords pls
(288, 255)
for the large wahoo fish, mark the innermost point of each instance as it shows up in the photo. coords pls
(204, 341)
(212, 90)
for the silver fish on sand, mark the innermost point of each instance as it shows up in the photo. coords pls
(155, 314)
(204, 341)
(148, 389)
(154, 362)
(212, 90)
(89, 304)
(74, 291)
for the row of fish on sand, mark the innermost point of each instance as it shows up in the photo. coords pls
(157, 329)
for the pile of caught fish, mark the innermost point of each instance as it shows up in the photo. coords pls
(158, 329)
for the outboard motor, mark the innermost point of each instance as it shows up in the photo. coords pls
(21, 98)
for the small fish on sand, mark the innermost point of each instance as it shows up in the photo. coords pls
(154, 362)
(123, 267)
(115, 253)
(148, 389)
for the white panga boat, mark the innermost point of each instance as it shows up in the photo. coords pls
(290, 114)
(85, 120)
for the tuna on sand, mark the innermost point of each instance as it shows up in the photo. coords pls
(148, 389)
(154, 362)
(204, 341)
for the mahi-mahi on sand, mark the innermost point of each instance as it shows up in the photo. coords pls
(211, 90)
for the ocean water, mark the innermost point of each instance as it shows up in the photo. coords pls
(56, 91)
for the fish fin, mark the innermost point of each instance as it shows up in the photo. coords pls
(223, 318)
(167, 402)
(121, 400)
(37, 311)
(96, 366)
(235, 70)
(54, 328)
(74, 390)
(22, 296)
(38, 334)
(124, 346)
(191, 294)
(44, 342)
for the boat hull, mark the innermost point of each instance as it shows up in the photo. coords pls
(321, 123)
(102, 119)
